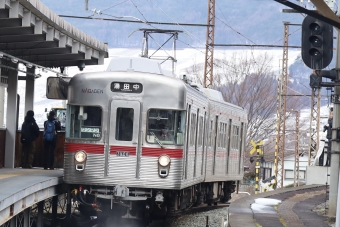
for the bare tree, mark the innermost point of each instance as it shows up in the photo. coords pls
(249, 82)
(195, 70)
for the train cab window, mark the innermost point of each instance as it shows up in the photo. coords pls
(124, 128)
(84, 122)
(165, 126)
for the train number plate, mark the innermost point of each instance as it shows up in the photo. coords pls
(122, 154)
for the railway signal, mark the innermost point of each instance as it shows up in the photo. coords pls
(316, 78)
(317, 43)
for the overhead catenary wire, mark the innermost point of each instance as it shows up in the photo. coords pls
(132, 21)
(174, 21)
(235, 30)
(239, 33)
(288, 35)
(145, 21)
(101, 11)
(188, 31)
(138, 10)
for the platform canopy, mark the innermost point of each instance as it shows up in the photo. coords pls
(32, 32)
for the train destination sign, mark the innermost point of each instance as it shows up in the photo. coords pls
(90, 132)
(126, 87)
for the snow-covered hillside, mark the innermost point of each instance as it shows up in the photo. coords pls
(185, 59)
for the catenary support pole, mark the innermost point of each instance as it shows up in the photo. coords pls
(334, 198)
(334, 169)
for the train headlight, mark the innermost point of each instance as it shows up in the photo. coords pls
(164, 160)
(80, 156)
(163, 165)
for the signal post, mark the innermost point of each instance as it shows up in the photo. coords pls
(317, 53)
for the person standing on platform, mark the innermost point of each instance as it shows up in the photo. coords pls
(51, 126)
(329, 136)
(29, 133)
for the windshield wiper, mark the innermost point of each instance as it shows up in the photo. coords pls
(157, 140)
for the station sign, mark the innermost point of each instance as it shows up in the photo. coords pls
(126, 87)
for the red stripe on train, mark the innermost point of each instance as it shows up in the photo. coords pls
(88, 148)
(146, 151)
(115, 149)
(156, 152)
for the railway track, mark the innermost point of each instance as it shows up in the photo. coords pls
(170, 221)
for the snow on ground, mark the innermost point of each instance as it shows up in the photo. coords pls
(265, 205)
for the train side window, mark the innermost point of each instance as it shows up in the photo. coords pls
(124, 125)
(192, 129)
(241, 148)
(224, 132)
(235, 140)
(220, 136)
(166, 126)
(201, 131)
(84, 122)
(215, 134)
(210, 136)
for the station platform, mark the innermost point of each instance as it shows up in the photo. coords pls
(303, 206)
(21, 188)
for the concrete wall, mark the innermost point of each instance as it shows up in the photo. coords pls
(317, 175)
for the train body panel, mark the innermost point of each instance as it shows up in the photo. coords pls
(133, 135)
(224, 157)
(194, 154)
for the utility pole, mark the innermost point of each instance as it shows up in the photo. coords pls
(281, 113)
(314, 120)
(209, 46)
(334, 199)
(297, 152)
(334, 208)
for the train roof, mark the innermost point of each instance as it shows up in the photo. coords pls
(212, 94)
(145, 65)
(134, 64)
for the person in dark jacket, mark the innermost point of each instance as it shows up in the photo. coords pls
(29, 133)
(329, 136)
(50, 145)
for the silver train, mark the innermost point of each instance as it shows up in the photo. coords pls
(146, 145)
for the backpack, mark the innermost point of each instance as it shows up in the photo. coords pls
(26, 134)
(49, 131)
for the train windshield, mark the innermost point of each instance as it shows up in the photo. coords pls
(165, 126)
(84, 122)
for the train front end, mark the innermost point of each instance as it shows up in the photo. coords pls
(124, 137)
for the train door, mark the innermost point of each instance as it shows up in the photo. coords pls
(124, 139)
